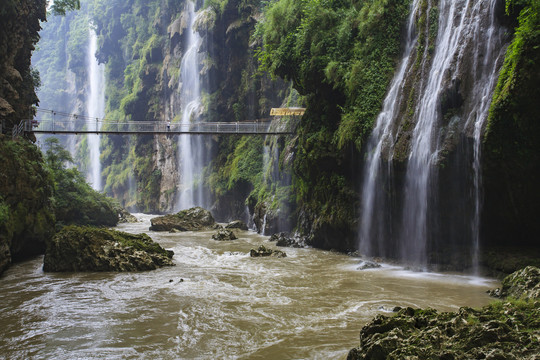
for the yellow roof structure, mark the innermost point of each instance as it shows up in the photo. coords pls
(292, 111)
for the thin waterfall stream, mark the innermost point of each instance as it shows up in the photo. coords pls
(190, 149)
(95, 108)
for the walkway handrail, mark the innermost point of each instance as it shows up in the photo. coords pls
(151, 127)
(18, 129)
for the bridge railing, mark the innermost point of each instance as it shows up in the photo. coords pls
(97, 126)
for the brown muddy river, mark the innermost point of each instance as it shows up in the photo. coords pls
(220, 304)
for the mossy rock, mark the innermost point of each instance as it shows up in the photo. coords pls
(502, 330)
(524, 283)
(193, 219)
(91, 249)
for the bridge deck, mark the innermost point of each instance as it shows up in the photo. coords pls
(78, 126)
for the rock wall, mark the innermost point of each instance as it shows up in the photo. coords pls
(26, 220)
(18, 34)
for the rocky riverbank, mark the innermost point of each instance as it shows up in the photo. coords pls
(507, 329)
(91, 249)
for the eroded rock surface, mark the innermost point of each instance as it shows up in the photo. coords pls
(508, 329)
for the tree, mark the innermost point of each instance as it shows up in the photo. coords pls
(60, 7)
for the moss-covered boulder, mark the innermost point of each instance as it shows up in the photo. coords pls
(524, 283)
(192, 219)
(508, 329)
(91, 249)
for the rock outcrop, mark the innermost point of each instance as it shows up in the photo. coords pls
(263, 251)
(509, 329)
(237, 224)
(92, 249)
(224, 235)
(524, 283)
(285, 239)
(193, 219)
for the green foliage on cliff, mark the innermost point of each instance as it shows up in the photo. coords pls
(341, 56)
(26, 212)
(512, 140)
(337, 48)
(74, 201)
(239, 162)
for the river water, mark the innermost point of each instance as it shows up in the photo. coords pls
(216, 303)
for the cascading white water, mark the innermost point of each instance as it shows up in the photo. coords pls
(490, 44)
(380, 137)
(468, 50)
(423, 153)
(95, 109)
(190, 149)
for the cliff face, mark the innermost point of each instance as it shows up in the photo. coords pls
(18, 34)
(26, 213)
(26, 218)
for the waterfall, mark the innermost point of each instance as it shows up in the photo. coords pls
(491, 46)
(190, 149)
(95, 109)
(458, 73)
(371, 222)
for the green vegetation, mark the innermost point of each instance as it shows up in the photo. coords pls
(60, 7)
(340, 56)
(511, 157)
(74, 201)
(26, 213)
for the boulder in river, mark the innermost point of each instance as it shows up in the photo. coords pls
(193, 219)
(263, 251)
(236, 224)
(507, 329)
(284, 239)
(125, 216)
(224, 235)
(77, 248)
(368, 264)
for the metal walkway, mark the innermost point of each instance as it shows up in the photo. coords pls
(80, 124)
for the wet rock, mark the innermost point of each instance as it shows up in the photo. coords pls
(237, 224)
(501, 330)
(224, 235)
(524, 283)
(91, 249)
(125, 217)
(193, 219)
(262, 251)
(367, 264)
(285, 239)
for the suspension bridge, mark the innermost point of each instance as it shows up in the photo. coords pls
(54, 122)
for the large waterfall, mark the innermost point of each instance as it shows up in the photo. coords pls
(190, 149)
(410, 210)
(95, 109)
